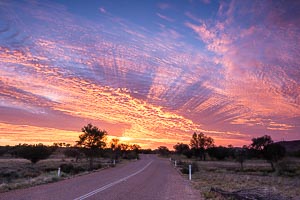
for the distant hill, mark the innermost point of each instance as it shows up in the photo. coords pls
(291, 146)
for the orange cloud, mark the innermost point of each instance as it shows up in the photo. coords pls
(157, 86)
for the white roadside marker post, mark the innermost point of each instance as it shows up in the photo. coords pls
(58, 172)
(114, 162)
(175, 163)
(190, 172)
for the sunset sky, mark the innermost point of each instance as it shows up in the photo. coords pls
(150, 72)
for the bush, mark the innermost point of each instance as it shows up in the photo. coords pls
(163, 151)
(4, 150)
(296, 154)
(286, 167)
(188, 153)
(72, 153)
(219, 153)
(66, 168)
(131, 155)
(8, 175)
(30, 173)
(273, 153)
(185, 168)
(34, 153)
(78, 169)
(98, 166)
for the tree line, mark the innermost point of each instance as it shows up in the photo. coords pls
(202, 146)
(92, 143)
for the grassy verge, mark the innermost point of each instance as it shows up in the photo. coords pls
(228, 176)
(20, 173)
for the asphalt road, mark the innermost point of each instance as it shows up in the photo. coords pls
(150, 178)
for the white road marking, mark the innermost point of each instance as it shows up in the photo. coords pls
(111, 184)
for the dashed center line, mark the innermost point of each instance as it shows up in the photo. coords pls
(111, 184)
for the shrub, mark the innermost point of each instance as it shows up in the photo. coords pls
(131, 155)
(8, 175)
(30, 173)
(66, 168)
(188, 153)
(72, 152)
(163, 151)
(185, 168)
(78, 169)
(34, 153)
(296, 154)
(4, 150)
(273, 153)
(286, 167)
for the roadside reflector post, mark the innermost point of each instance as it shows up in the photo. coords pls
(58, 172)
(190, 172)
(114, 162)
(175, 163)
(170, 159)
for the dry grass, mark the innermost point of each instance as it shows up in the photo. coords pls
(20, 173)
(227, 175)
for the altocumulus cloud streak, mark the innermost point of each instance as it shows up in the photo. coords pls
(231, 71)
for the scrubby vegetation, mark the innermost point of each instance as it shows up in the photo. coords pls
(26, 165)
(34, 153)
(231, 172)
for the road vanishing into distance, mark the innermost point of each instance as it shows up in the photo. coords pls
(149, 178)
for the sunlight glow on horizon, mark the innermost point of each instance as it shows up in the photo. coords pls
(227, 69)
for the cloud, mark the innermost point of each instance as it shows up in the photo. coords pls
(153, 86)
(102, 10)
(165, 17)
(255, 69)
(205, 34)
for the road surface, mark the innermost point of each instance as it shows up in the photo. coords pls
(150, 178)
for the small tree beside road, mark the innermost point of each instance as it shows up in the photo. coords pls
(163, 151)
(93, 141)
(199, 143)
(180, 148)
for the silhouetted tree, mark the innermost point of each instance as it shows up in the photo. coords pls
(219, 153)
(184, 149)
(199, 143)
(135, 148)
(115, 147)
(260, 143)
(180, 148)
(188, 153)
(93, 141)
(241, 155)
(61, 144)
(146, 151)
(163, 151)
(34, 153)
(273, 153)
(130, 151)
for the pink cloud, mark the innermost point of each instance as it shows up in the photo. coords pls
(203, 32)
(140, 76)
(102, 10)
